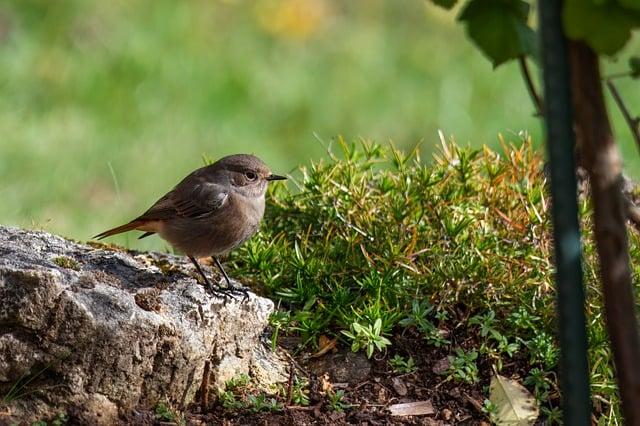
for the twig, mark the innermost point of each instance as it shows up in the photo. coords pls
(290, 384)
(204, 387)
(295, 363)
(632, 211)
(526, 75)
(633, 123)
(474, 402)
(618, 75)
(304, 407)
(602, 161)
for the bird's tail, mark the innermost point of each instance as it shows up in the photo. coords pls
(134, 224)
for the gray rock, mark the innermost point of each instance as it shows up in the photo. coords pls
(91, 330)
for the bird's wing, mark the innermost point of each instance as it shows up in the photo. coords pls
(197, 200)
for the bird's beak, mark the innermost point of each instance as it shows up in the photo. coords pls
(276, 177)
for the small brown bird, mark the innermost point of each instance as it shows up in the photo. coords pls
(210, 212)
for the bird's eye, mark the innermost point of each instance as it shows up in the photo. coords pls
(251, 176)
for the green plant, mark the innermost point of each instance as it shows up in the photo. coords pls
(368, 337)
(365, 236)
(229, 401)
(66, 262)
(554, 415)
(335, 401)
(495, 342)
(418, 314)
(523, 321)
(261, 402)
(539, 381)
(300, 392)
(278, 320)
(20, 387)
(489, 23)
(543, 350)
(164, 413)
(463, 366)
(401, 365)
(60, 419)
(239, 394)
(490, 410)
(237, 382)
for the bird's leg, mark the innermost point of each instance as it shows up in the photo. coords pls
(224, 273)
(212, 289)
(231, 287)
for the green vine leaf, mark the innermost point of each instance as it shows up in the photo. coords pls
(445, 4)
(499, 28)
(604, 25)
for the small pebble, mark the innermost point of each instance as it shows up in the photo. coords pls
(446, 414)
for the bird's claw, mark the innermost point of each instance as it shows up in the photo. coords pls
(230, 292)
(244, 291)
(241, 290)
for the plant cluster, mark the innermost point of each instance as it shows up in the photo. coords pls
(402, 365)
(239, 394)
(372, 242)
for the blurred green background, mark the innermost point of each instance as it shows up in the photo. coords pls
(105, 105)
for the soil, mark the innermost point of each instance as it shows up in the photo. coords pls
(370, 386)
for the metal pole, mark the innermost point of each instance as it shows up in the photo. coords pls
(574, 372)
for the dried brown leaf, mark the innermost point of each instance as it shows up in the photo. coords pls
(418, 408)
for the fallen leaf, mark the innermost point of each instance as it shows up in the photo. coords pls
(326, 345)
(325, 384)
(515, 405)
(399, 386)
(441, 366)
(418, 408)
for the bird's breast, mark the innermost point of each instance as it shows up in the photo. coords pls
(251, 209)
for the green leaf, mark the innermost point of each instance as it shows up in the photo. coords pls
(446, 4)
(377, 326)
(606, 27)
(499, 28)
(349, 335)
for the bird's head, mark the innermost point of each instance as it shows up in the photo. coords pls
(246, 173)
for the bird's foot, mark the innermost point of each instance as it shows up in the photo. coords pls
(217, 292)
(244, 291)
(230, 291)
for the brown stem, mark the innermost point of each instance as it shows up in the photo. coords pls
(633, 123)
(600, 157)
(204, 387)
(290, 384)
(526, 75)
